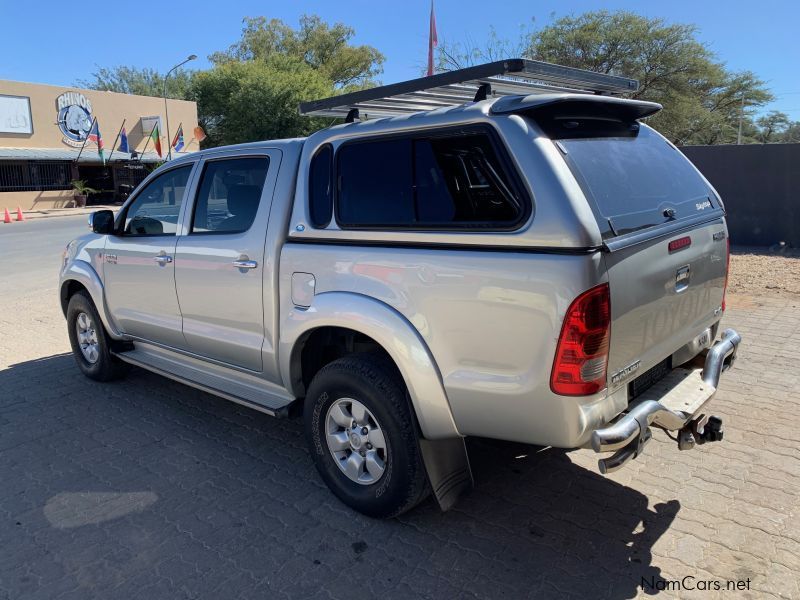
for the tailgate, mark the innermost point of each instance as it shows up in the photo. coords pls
(662, 300)
(664, 231)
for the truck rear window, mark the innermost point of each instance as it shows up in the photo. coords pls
(635, 180)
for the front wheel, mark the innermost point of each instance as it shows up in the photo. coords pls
(90, 343)
(363, 437)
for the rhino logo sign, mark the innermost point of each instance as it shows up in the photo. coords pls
(74, 117)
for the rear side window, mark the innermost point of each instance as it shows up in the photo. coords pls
(321, 187)
(229, 194)
(450, 180)
(636, 180)
(376, 184)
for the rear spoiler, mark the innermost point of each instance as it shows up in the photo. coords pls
(635, 238)
(576, 105)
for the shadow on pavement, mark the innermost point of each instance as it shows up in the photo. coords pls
(147, 488)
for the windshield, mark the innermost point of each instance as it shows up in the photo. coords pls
(636, 181)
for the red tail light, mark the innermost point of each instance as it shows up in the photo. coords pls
(581, 359)
(727, 269)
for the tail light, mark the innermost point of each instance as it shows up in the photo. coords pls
(579, 368)
(727, 269)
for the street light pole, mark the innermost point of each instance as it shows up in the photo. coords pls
(166, 110)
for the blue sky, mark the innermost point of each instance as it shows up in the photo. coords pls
(48, 42)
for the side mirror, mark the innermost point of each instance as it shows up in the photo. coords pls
(102, 221)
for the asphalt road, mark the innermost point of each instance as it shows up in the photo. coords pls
(30, 252)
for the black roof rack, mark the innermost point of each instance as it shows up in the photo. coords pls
(516, 76)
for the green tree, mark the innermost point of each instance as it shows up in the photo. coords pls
(702, 99)
(792, 133)
(324, 48)
(257, 100)
(254, 87)
(141, 82)
(772, 126)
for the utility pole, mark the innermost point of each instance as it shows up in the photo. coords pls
(741, 118)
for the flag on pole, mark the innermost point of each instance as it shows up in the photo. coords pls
(123, 141)
(95, 137)
(433, 41)
(156, 136)
(177, 143)
(199, 134)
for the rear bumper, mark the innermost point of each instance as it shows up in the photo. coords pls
(674, 404)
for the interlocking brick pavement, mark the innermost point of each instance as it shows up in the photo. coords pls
(145, 488)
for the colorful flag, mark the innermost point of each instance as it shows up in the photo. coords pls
(177, 143)
(199, 134)
(123, 141)
(433, 41)
(94, 136)
(156, 136)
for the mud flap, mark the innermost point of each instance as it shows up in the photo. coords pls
(447, 465)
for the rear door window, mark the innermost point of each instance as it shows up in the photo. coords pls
(442, 181)
(229, 195)
(635, 180)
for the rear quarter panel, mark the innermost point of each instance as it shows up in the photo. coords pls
(490, 319)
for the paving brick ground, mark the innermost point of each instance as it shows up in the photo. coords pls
(148, 489)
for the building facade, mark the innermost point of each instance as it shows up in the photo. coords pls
(44, 145)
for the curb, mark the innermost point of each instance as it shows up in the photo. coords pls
(67, 212)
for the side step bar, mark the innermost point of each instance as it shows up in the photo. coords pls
(177, 368)
(627, 436)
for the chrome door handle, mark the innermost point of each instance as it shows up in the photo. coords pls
(162, 259)
(245, 264)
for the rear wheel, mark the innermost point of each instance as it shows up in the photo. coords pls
(90, 343)
(363, 437)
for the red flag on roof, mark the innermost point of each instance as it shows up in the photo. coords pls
(433, 41)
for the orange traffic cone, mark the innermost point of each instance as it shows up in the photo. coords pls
(20, 216)
(7, 217)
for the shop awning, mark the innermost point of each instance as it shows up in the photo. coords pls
(89, 155)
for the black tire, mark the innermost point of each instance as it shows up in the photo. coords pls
(107, 367)
(374, 381)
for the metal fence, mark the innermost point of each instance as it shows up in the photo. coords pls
(35, 175)
(760, 185)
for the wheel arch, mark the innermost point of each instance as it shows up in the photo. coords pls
(80, 276)
(379, 323)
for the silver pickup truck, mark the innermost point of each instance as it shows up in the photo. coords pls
(504, 251)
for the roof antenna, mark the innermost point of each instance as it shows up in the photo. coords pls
(483, 92)
(352, 116)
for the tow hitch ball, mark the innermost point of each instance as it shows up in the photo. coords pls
(700, 431)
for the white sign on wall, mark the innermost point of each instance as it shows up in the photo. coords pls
(148, 123)
(15, 114)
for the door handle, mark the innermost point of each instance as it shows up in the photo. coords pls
(162, 259)
(245, 264)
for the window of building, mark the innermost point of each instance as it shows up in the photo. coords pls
(229, 194)
(35, 175)
(449, 180)
(157, 206)
(320, 188)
